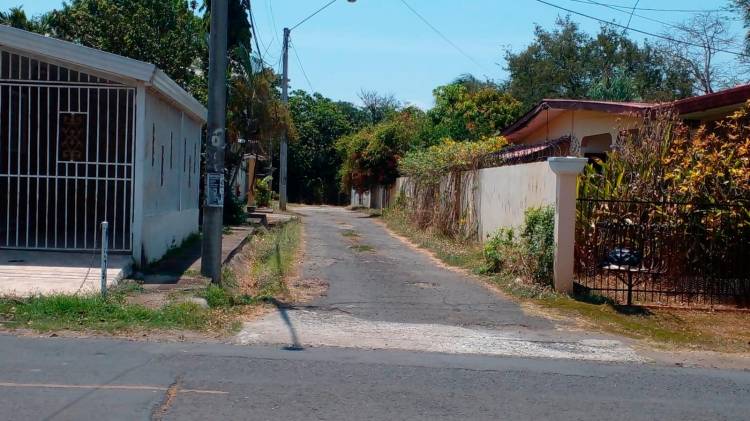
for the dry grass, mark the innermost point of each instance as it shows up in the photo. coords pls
(723, 331)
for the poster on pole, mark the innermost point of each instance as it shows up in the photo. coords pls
(215, 190)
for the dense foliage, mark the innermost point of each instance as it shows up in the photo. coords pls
(565, 62)
(165, 33)
(469, 109)
(442, 178)
(370, 156)
(428, 166)
(313, 159)
(666, 161)
(263, 191)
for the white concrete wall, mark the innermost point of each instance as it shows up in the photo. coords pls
(503, 194)
(360, 199)
(171, 177)
(506, 192)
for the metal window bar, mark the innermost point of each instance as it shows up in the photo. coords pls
(50, 203)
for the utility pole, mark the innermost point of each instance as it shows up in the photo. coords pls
(285, 98)
(213, 205)
(284, 146)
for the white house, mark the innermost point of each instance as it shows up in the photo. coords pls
(88, 136)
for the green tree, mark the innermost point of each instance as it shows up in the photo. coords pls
(469, 109)
(565, 62)
(16, 17)
(370, 156)
(255, 112)
(167, 33)
(313, 159)
(617, 87)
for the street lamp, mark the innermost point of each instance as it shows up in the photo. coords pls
(285, 99)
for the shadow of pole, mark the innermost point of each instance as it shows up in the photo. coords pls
(282, 309)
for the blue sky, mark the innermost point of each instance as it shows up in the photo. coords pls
(381, 45)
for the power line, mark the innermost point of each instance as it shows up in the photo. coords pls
(314, 13)
(630, 19)
(312, 89)
(651, 34)
(255, 35)
(445, 38)
(620, 7)
(273, 20)
(608, 6)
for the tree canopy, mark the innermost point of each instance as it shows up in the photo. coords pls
(565, 62)
(469, 109)
(370, 156)
(313, 159)
(166, 33)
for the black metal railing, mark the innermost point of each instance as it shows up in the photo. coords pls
(663, 252)
(524, 154)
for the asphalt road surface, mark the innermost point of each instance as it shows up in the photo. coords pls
(94, 379)
(383, 294)
(396, 336)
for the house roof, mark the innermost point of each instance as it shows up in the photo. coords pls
(103, 62)
(701, 105)
(697, 107)
(553, 107)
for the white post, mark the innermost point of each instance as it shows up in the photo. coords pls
(139, 178)
(105, 244)
(566, 169)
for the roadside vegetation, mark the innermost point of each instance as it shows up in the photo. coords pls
(254, 279)
(111, 315)
(520, 265)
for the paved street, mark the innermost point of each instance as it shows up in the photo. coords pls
(65, 379)
(391, 296)
(395, 337)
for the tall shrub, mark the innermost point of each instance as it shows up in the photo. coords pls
(443, 180)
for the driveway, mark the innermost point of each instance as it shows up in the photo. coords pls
(383, 294)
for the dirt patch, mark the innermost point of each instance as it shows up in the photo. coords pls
(153, 300)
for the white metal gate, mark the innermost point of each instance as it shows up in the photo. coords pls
(66, 157)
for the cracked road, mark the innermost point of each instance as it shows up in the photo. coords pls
(383, 294)
(395, 337)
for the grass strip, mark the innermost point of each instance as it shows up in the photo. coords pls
(94, 313)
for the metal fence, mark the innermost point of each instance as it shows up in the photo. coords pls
(524, 154)
(663, 253)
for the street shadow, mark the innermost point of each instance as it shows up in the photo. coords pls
(584, 296)
(282, 309)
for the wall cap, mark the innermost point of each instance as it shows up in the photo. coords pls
(567, 165)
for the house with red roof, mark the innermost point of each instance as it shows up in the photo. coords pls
(591, 127)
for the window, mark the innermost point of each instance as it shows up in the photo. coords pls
(599, 143)
(73, 137)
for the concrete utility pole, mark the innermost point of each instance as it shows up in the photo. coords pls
(213, 205)
(285, 100)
